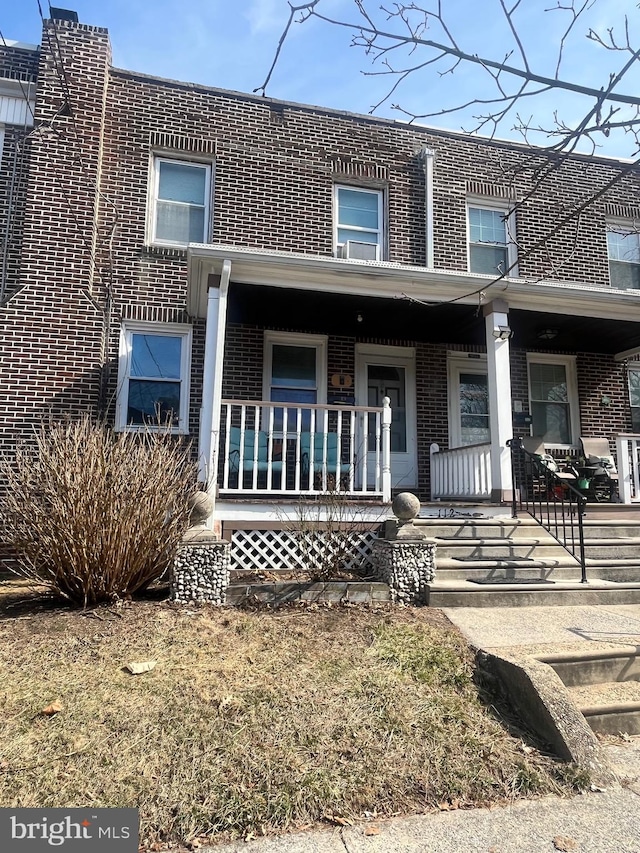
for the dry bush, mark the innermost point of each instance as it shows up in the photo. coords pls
(329, 536)
(94, 514)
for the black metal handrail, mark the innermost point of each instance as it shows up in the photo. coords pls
(554, 503)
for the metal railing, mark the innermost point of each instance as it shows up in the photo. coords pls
(550, 498)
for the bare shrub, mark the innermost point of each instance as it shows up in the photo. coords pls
(329, 536)
(94, 514)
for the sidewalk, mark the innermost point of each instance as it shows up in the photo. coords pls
(598, 822)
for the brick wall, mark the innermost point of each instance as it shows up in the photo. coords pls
(84, 265)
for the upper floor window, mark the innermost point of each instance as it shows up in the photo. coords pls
(624, 256)
(491, 243)
(153, 376)
(180, 202)
(358, 223)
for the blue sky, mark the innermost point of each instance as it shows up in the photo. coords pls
(231, 45)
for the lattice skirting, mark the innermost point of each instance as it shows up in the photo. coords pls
(260, 550)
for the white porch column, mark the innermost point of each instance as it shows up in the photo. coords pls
(212, 380)
(499, 375)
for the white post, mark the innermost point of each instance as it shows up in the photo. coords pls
(386, 449)
(624, 467)
(434, 449)
(499, 377)
(212, 381)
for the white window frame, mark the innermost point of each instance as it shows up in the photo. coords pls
(620, 226)
(510, 231)
(154, 183)
(295, 339)
(127, 330)
(457, 363)
(380, 231)
(569, 363)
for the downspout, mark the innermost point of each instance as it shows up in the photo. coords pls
(427, 156)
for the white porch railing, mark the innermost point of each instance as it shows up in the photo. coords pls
(282, 449)
(628, 453)
(461, 472)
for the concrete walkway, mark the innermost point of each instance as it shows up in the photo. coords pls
(605, 821)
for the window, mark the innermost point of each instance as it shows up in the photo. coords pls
(553, 398)
(491, 245)
(153, 376)
(634, 396)
(624, 257)
(180, 202)
(295, 372)
(359, 221)
(468, 400)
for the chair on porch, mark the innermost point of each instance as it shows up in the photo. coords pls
(599, 471)
(255, 452)
(534, 444)
(323, 458)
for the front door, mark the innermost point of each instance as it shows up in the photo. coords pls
(390, 372)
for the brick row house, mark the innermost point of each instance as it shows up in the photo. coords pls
(315, 297)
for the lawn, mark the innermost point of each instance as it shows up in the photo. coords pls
(250, 722)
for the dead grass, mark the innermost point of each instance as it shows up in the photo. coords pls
(251, 722)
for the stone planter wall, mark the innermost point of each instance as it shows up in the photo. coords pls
(407, 567)
(201, 572)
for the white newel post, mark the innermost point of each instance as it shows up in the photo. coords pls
(212, 381)
(499, 377)
(386, 449)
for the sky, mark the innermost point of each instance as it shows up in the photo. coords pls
(231, 45)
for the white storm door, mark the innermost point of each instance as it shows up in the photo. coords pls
(383, 371)
(468, 401)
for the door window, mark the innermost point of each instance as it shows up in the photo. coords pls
(386, 381)
(474, 408)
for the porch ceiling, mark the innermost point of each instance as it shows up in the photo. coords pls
(401, 319)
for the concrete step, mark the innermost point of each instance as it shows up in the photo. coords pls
(561, 559)
(610, 665)
(443, 593)
(627, 548)
(503, 549)
(477, 572)
(604, 684)
(481, 528)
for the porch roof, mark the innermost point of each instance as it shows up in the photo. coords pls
(614, 323)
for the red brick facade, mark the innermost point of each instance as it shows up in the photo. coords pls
(78, 262)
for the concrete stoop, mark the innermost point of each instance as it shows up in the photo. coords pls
(514, 562)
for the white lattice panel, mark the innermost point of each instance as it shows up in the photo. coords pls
(264, 550)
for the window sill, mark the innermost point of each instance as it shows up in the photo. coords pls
(161, 251)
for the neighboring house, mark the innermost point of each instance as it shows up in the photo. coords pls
(265, 274)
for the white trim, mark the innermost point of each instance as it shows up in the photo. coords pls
(129, 328)
(154, 182)
(458, 362)
(569, 363)
(504, 206)
(380, 231)
(296, 339)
